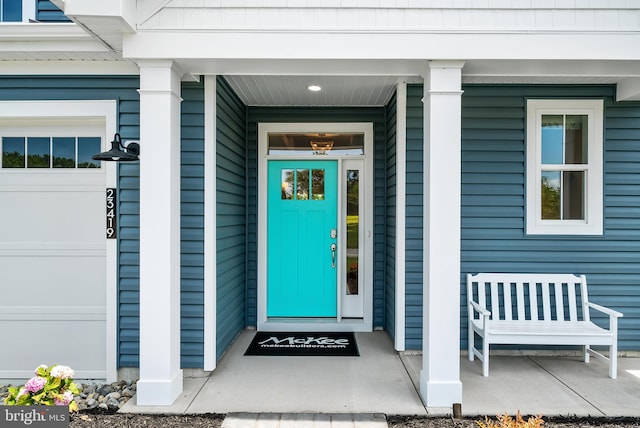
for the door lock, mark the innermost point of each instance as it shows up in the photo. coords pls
(333, 234)
(333, 255)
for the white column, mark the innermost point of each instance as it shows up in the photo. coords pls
(210, 214)
(440, 384)
(401, 214)
(160, 374)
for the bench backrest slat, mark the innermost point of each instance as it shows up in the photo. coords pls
(533, 298)
(546, 302)
(495, 296)
(559, 301)
(573, 311)
(520, 302)
(508, 307)
(517, 296)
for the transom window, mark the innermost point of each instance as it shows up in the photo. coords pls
(564, 167)
(324, 144)
(50, 152)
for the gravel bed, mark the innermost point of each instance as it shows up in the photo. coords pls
(96, 396)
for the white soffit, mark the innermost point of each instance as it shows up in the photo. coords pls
(292, 90)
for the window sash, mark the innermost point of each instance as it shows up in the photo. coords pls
(590, 206)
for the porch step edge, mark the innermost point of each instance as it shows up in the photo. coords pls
(303, 420)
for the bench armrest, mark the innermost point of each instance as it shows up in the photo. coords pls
(604, 310)
(482, 311)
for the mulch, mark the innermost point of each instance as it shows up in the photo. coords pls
(117, 420)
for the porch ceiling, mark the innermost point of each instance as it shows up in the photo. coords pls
(293, 90)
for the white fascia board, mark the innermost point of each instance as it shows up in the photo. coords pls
(69, 67)
(371, 45)
(47, 38)
(41, 30)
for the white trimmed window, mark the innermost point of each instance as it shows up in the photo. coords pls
(564, 167)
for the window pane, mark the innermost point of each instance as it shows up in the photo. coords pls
(12, 10)
(552, 134)
(38, 153)
(12, 152)
(550, 195)
(302, 187)
(317, 185)
(353, 226)
(87, 147)
(573, 195)
(576, 139)
(287, 184)
(64, 152)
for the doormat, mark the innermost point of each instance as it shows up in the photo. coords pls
(303, 344)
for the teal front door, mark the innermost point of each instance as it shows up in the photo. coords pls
(302, 238)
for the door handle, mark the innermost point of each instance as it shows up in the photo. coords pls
(333, 255)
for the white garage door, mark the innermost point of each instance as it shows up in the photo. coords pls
(52, 250)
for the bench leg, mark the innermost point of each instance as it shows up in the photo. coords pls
(485, 357)
(470, 343)
(613, 360)
(586, 353)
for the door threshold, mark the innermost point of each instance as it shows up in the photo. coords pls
(314, 325)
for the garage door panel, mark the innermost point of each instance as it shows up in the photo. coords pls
(71, 279)
(53, 270)
(54, 255)
(76, 343)
(56, 215)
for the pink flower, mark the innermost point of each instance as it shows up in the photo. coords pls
(64, 399)
(62, 372)
(35, 384)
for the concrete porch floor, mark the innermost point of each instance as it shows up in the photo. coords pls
(382, 382)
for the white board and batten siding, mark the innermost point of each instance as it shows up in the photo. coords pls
(53, 256)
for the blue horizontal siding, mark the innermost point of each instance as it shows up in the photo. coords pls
(390, 281)
(414, 218)
(49, 12)
(493, 199)
(231, 220)
(192, 226)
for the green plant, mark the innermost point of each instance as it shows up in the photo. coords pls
(506, 421)
(50, 386)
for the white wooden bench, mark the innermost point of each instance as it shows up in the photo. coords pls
(536, 309)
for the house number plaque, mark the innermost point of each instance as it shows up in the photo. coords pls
(111, 214)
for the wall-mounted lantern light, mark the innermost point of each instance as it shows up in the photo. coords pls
(120, 152)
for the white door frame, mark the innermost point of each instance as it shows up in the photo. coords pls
(298, 324)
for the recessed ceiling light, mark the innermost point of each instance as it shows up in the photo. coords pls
(314, 88)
